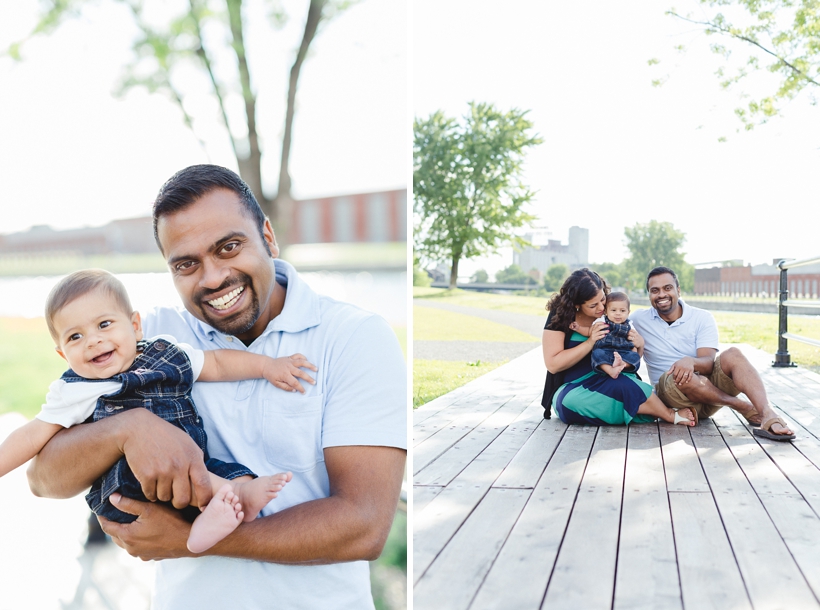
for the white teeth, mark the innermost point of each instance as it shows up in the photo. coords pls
(226, 301)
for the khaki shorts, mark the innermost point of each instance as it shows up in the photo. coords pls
(672, 397)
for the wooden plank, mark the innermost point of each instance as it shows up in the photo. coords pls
(423, 495)
(799, 526)
(442, 517)
(647, 572)
(447, 466)
(709, 576)
(454, 577)
(443, 439)
(528, 464)
(681, 464)
(589, 550)
(769, 571)
(519, 576)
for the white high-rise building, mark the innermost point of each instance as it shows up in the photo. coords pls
(546, 252)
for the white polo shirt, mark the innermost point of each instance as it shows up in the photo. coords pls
(668, 343)
(359, 399)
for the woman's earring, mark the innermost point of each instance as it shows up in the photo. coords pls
(577, 309)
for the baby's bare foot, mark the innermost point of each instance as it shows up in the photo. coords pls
(222, 516)
(256, 493)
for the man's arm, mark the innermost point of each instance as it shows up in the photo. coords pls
(165, 460)
(703, 364)
(352, 524)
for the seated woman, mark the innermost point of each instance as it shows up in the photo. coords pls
(583, 396)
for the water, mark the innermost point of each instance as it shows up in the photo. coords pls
(381, 292)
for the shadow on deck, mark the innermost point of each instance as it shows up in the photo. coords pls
(514, 511)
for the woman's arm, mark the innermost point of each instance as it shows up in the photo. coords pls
(558, 359)
(236, 365)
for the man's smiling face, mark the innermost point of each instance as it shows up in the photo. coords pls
(222, 267)
(664, 294)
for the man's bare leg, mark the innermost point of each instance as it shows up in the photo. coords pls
(747, 380)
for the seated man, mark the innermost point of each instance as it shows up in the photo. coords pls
(680, 351)
(344, 440)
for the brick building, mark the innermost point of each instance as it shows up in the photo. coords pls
(757, 281)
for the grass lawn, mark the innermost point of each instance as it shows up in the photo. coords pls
(433, 378)
(28, 364)
(440, 325)
(485, 300)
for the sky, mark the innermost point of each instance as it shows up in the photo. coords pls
(618, 151)
(74, 154)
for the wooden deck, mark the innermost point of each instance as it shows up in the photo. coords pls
(514, 511)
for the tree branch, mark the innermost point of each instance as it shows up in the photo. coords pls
(314, 16)
(203, 55)
(751, 41)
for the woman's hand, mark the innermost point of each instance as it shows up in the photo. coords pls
(598, 331)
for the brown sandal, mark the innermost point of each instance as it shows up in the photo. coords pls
(765, 430)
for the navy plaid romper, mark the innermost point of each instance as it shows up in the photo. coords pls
(160, 380)
(615, 341)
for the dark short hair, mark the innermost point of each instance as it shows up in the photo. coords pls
(194, 182)
(80, 283)
(617, 296)
(661, 271)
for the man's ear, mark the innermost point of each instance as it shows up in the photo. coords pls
(59, 351)
(270, 238)
(136, 322)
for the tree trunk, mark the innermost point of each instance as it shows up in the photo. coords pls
(454, 270)
(250, 165)
(283, 201)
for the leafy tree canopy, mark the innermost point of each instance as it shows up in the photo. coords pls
(654, 244)
(781, 37)
(555, 276)
(479, 277)
(467, 187)
(513, 275)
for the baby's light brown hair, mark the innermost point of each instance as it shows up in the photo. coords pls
(618, 296)
(80, 283)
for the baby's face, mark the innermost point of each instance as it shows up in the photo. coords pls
(617, 311)
(96, 337)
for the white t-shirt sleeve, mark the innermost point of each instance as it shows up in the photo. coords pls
(69, 404)
(196, 356)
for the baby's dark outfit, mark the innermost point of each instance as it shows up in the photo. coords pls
(616, 341)
(160, 380)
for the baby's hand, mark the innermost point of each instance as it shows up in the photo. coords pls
(283, 372)
(574, 325)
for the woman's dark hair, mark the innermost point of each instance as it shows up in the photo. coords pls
(581, 286)
(196, 181)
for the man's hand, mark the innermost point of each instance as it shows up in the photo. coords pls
(636, 339)
(683, 371)
(158, 533)
(166, 461)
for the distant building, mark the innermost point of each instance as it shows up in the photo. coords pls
(757, 281)
(363, 217)
(546, 252)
